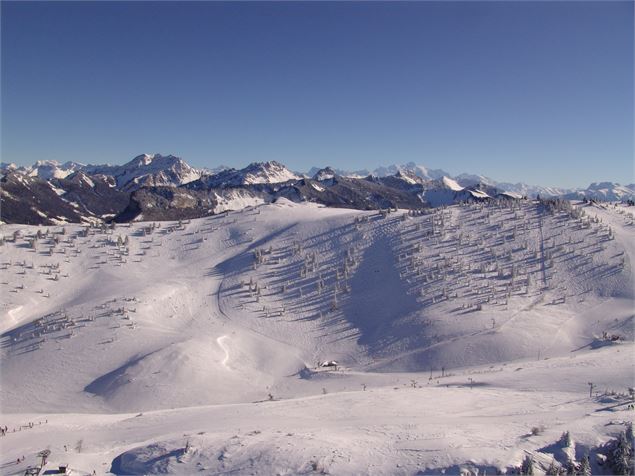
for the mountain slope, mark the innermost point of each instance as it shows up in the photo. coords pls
(31, 200)
(189, 346)
(465, 285)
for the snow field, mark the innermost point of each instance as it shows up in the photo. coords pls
(197, 325)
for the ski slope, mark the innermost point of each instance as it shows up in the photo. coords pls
(181, 347)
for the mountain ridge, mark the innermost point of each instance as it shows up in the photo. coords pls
(165, 187)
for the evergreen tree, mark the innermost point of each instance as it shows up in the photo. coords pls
(527, 466)
(621, 457)
(571, 469)
(585, 466)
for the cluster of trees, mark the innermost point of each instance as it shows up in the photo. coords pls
(553, 205)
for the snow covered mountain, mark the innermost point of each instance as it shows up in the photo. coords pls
(341, 172)
(44, 169)
(254, 173)
(78, 198)
(418, 170)
(149, 170)
(141, 188)
(384, 171)
(447, 191)
(321, 175)
(142, 171)
(604, 191)
(464, 179)
(466, 337)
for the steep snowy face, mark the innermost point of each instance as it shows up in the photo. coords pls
(409, 177)
(267, 172)
(255, 173)
(154, 170)
(82, 180)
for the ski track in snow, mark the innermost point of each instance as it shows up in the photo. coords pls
(225, 349)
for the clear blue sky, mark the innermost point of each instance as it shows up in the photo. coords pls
(522, 91)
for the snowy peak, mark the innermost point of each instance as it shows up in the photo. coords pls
(155, 170)
(81, 179)
(145, 159)
(408, 176)
(267, 172)
(157, 161)
(327, 173)
(254, 173)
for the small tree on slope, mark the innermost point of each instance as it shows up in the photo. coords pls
(585, 466)
(528, 466)
(622, 454)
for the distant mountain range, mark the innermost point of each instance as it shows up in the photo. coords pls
(157, 187)
(143, 171)
(465, 180)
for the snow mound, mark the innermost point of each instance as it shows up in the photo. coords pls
(197, 372)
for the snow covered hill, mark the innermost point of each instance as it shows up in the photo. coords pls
(465, 338)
